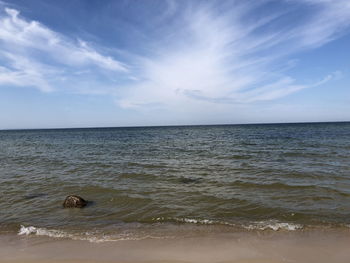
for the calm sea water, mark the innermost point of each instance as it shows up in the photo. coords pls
(157, 180)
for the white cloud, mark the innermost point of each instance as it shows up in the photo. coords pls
(37, 56)
(25, 73)
(207, 57)
(17, 31)
(227, 58)
(329, 21)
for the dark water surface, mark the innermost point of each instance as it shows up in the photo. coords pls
(155, 180)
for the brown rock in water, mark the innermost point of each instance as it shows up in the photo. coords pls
(74, 201)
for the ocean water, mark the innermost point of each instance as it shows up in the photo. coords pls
(146, 182)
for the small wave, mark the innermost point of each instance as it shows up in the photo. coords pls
(191, 221)
(273, 225)
(31, 230)
(262, 225)
(91, 237)
(196, 221)
(273, 186)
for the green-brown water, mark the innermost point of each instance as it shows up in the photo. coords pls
(156, 181)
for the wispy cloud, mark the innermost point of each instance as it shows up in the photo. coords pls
(231, 55)
(34, 55)
(24, 72)
(205, 53)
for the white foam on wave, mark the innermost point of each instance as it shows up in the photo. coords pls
(188, 220)
(195, 221)
(97, 238)
(273, 225)
(261, 225)
(41, 232)
(31, 230)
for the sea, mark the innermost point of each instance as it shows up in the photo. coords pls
(165, 182)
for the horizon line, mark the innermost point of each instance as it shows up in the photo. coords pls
(174, 125)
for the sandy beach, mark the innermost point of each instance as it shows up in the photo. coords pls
(272, 247)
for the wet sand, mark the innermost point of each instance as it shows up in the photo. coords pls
(247, 247)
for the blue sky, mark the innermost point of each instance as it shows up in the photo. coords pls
(130, 63)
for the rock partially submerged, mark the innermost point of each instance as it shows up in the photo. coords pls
(74, 201)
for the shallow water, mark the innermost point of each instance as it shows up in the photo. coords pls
(147, 181)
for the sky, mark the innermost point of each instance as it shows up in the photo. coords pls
(78, 63)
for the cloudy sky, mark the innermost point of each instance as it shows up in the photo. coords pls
(74, 63)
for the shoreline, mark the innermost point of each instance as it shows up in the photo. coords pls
(239, 247)
(181, 229)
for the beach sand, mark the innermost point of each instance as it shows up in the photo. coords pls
(246, 247)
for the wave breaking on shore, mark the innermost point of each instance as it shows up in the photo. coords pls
(259, 225)
(138, 234)
(94, 237)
